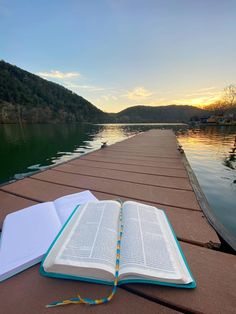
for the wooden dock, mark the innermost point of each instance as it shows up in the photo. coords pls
(147, 168)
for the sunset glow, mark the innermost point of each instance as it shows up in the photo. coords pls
(118, 54)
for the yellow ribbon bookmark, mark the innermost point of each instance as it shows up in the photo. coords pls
(79, 299)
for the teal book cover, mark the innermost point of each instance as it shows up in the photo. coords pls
(124, 281)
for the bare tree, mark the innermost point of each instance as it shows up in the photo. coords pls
(218, 106)
(226, 103)
(230, 96)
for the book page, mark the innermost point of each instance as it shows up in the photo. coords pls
(66, 204)
(90, 238)
(144, 246)
(26, 236)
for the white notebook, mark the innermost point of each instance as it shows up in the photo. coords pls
(28, 233)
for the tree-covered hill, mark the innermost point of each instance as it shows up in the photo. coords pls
(171, 113)
(25, 97)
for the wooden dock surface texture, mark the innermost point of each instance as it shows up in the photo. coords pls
(147, 168)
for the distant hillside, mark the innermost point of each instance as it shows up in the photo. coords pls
(171, 113)
(25, 97)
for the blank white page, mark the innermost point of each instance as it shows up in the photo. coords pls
(66, 204)
(26, 236)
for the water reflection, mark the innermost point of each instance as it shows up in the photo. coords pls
(31, 147)
(207, 150)
(230, 160)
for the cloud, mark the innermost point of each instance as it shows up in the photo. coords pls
(196, 101)
(210, 91)
(59, 75)
(206, 89)
(139, 93)
(206, 94)
(107, 98)
(89, 88)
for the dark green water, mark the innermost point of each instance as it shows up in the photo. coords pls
(28, 148)
(31, 147)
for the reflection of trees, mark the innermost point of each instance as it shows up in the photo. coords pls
(216, 140)
(230, 160)
(38, 144)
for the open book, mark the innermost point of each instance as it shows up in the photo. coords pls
(28, 233)
(85, 249)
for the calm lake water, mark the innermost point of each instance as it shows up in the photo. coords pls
(32, 147)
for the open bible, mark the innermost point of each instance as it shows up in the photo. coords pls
(85, 249)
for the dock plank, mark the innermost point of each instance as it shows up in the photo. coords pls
(177, 173)
(135, 158)
(161, 195)
(147, 150)
(183, 221)
(137, 155)
(38, 191)
(122, 159)
(147, 179)
(215, 273)
(10, 203)
(29, 292)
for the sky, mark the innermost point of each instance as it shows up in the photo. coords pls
(122, 53)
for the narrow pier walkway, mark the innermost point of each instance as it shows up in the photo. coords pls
(147, 168)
